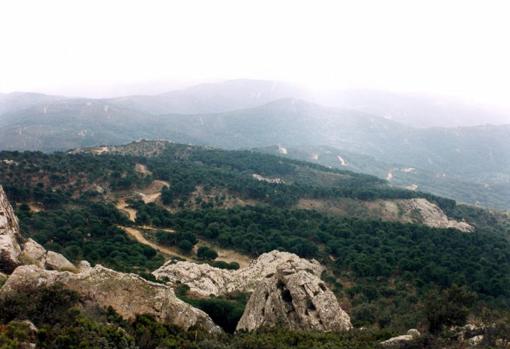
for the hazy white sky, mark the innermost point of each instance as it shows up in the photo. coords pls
(87, 47)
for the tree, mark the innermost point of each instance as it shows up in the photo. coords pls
(185, 246)
(449, 307)
(206, 253)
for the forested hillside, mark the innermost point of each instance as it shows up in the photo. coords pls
(132, 207)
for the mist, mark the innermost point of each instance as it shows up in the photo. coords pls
(97, 49)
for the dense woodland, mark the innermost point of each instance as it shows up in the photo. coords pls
(383, 273)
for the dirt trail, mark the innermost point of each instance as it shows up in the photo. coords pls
(225, 255)
(123, 206)
(153, 191)
(138, 236)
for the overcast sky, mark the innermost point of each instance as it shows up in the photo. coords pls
(94, 48)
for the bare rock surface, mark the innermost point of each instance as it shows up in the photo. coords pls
(10, 237)
(55, 261)
(34, 253)
(294, 298)
(128, 294)
(397, 342)
(432, 215)
(205, 280)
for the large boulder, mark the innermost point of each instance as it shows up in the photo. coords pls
(293, 298)
(128, 294)
(205, 280)
(10, 237)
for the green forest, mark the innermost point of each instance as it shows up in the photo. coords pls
(383, 273)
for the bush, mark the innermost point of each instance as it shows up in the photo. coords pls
(206, 253)
(448, 307)
(185, 246)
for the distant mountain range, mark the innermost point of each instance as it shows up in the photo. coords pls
(368, 131)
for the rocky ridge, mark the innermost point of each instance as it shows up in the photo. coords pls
(128, 294)
(286, 291)
(205, 280)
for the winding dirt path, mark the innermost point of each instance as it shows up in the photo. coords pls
(137, 234)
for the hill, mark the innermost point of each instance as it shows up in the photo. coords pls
(132, 207)
(469, 164)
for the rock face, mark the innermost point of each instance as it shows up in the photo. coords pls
(10, 237)
(14, 250)
(294, 298)
(431, 215)
(128, 294)
(204, 280)
(399, 341)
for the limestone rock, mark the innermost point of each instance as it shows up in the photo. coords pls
(128, 294)
(55, 261)
(431, 215)
(294, 298)
(10, 236)
(397, 342)
(83, 266)
(205, 280)
(34, 253)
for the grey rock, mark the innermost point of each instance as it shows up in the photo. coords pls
(205, 280)
(296, 299)
(128, 294)
(10, 237)
(397, 342)
(34, 253)
(55, 261)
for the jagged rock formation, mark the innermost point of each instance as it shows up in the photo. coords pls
(128, 294)
(294, 298)
(10, 237)
(287, 291)
(14, 250)
(205, 280)
(400, 341)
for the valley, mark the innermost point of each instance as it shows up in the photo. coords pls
(445, 156)
(331, 219)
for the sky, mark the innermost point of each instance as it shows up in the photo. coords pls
(104, 48)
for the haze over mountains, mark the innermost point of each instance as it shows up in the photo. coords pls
(381, 132)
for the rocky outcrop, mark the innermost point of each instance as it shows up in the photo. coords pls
(294, 298)
(34, 253)
(128, 294)
(286, 291)
(400, 341)
(430, 214)
(10, 237)
(14, 250)
(205, 280)
(55, 261)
